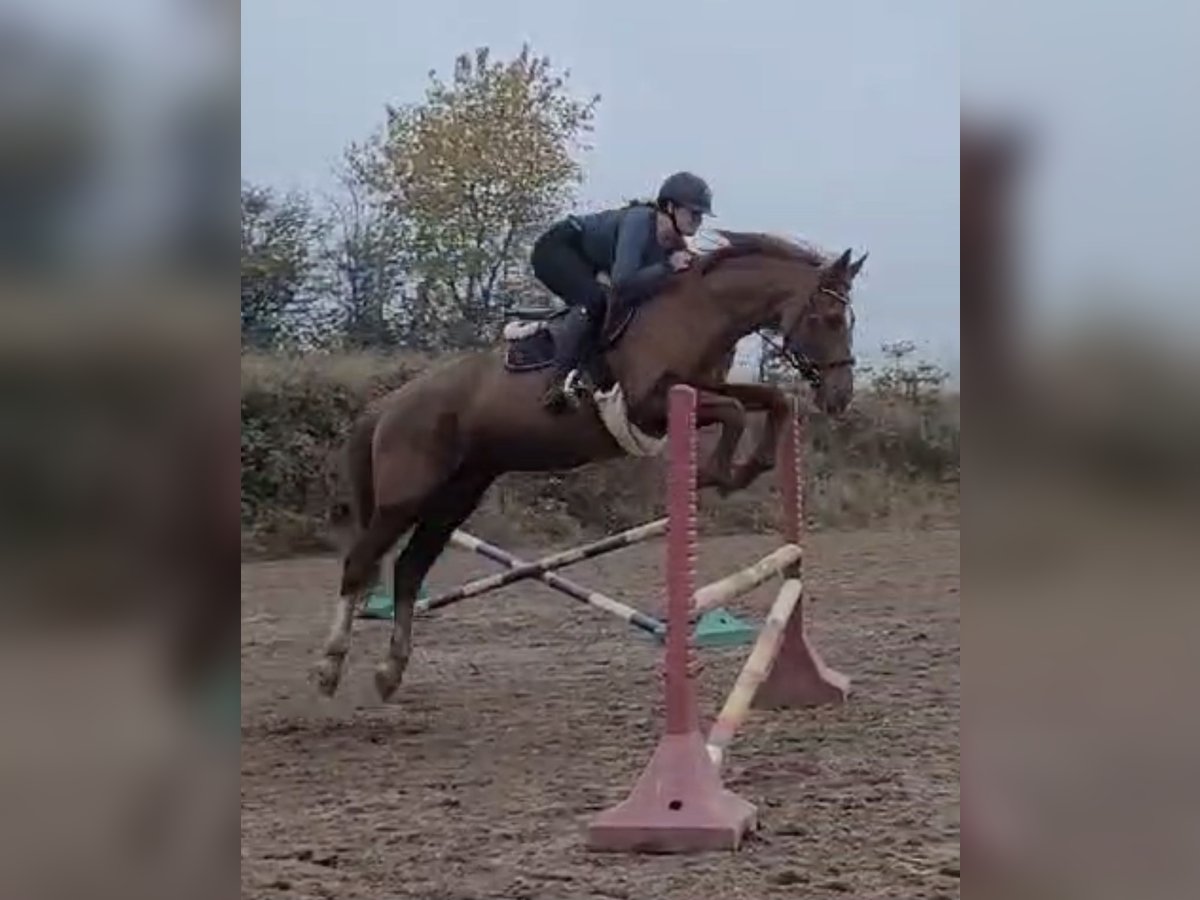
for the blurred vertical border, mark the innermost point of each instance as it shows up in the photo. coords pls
(119, 144)
(1081, 490)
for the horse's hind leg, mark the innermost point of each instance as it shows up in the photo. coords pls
(358, 574)
(441, 514)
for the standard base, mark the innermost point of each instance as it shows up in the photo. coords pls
(677, 806)
(379, 604)
(721, 628)
(799, 677)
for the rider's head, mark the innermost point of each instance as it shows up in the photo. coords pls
(685, 199)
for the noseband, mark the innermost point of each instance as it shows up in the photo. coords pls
(810, 370)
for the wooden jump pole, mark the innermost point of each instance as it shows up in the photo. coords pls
(519, 571)
(754, 672)
(623, 611)
(743, 582)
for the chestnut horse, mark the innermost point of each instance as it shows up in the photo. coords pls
(423, 458)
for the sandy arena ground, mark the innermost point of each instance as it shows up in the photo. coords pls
(524, 713)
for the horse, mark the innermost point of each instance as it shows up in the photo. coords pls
(423, 458)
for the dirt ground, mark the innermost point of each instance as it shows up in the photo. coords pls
(523, 714)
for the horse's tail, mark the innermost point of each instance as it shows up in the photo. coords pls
(361, 469)
(353, 512)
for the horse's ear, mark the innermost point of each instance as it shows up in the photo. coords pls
(841, 263)
(857, 265)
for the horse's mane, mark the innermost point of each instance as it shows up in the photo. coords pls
(752, 243)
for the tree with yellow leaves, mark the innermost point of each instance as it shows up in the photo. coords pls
(471, 175)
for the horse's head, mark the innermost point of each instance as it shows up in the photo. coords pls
(794, 288)
(818, 333)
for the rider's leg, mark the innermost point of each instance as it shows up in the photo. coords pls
(570, 341)
(561, 267)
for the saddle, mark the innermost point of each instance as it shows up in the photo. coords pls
(530, 346)
(530, 338)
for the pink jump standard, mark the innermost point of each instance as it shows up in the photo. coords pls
(798, 677)
(679, 804)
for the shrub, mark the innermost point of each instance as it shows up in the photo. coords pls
(892, 457)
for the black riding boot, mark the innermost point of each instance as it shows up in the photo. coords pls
(569, 342)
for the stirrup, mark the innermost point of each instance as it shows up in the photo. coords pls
(572, 385)
(563, 394)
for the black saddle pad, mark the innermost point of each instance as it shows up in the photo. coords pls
(530, 353)
(534, 348)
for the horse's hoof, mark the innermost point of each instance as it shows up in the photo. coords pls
(387, 679)
(328, 672)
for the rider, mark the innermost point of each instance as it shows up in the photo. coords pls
(637, 245)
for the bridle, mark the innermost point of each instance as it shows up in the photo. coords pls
(810, 370)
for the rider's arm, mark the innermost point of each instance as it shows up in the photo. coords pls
(629, 277)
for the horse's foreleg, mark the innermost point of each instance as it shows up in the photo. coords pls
(778, 407)
(442, 513)
(328, 670)
(712, 409)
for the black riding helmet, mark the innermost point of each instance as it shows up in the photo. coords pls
(687, 190)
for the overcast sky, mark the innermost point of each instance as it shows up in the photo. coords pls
(837, 122)
(1113, 191)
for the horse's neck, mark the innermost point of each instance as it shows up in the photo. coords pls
(747, 303)
(690, 329)
(750, 294)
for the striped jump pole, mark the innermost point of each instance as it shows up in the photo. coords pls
(754, 672)
(519, 571)
(575, 591)
(739, 583)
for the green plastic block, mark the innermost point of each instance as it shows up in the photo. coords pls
(379, 604)
(721, 628)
